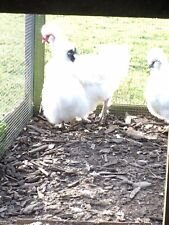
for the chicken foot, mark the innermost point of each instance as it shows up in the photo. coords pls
(83, 120)
(104, 110)
(61, 125)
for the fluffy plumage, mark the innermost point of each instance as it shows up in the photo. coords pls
(157, 88)
(63, 97)
(101, 74)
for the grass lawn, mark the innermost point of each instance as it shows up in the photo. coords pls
(86, 32)
(11, 61)
(139, 33)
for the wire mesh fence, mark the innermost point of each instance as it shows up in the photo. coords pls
(16, 76)
(17, 60)
(12, 61)
(17, 67)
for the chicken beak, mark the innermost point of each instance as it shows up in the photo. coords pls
(150, 66)
(44, 40)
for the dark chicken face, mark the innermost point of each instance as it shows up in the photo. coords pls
(155, 63)
(71, 54)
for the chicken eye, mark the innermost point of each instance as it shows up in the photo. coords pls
(71, 54)
(154, 63)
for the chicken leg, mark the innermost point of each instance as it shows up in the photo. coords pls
(104, 110)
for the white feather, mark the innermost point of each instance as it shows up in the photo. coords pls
(102, 74)
(63, 97)
(157, 91)
(95, 76)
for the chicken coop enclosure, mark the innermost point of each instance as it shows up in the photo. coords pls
(23, 60)
(22, 75)
(22, 64)
(17, 74)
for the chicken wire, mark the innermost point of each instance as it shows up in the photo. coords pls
(16, 78)
(17, 61)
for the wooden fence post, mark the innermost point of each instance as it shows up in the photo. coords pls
(39, 20)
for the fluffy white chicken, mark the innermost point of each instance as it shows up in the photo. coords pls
(157, 90)
(63, 97)
(101, 74)
(157, 94)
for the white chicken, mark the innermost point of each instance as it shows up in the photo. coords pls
(157, 96)
(99, 74)
(63, 97)
(157, 90)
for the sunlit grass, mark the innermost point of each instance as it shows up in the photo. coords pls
(86, 33)
(11, 62)
(139, 33)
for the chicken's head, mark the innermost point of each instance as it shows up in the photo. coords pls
(48, 33)
(156, 57)
(60, 45)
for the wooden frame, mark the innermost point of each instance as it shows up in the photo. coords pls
(127, 8)
(38, 63)
(121, 8)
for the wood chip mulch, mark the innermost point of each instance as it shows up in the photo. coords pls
(114, 171)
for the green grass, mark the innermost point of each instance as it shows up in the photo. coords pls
(11, 62)
(139, 33)
(87, 33)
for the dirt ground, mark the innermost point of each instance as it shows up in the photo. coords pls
(113, 171)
